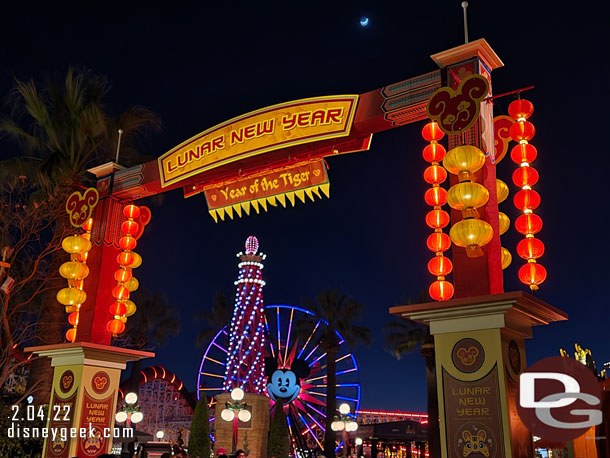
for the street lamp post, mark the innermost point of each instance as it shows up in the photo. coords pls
(236, 411)
(130, 414)
(344, 422)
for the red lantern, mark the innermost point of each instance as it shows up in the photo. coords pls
(73, 318)
(127, 243)
(438, 242)
(130, 227)
(532, 274)
(125, 259)
(115, 327)
(441, 290)
(436, 196)
(520, 108)
(525, 176)
(131, 211)
(528, 223)
(527, 199)
(435, 174)
(431, 132)
(88, 225)
(437, 219)
(120, 292)
(434, 152)
(530, 248)
(71, 335)
(522, 130)
(523, 152)
(118, 308)
(123, 275)
(440, 266)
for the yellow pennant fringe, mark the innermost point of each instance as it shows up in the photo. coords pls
(258, 204)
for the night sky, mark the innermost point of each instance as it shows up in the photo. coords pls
(198, 64)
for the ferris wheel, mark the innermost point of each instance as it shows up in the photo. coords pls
(306, 414)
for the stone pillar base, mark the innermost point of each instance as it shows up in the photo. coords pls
(84, 395)
(252, 436)
(480, 353)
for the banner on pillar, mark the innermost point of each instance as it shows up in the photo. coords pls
(304, 180)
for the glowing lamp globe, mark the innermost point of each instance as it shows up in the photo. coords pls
(471, 234)
(528, 223)
(436, 196)
(337, 426)
(251, 245)
(522, 130)
(441, 290)
(437, 219)
(532, 274)
(438, 242)
(160, 434)
(237, 394)
(464, 160)
(71, 296)
(520, 108)
(131, 211)
(440, 266)
(244, 415)
(344, 408)
(506, 258)
(358, 441)
(527, 199)
(530, 248)
(75, 244)
(501, 190)
(71, 335)
(227, 415)
(434, 152)
(137, 417)
(75, 270)
(432, 132)
(525, 176)
(131, 398)
(523, 152)
(351, 426)
(435, 174)
(466, 195)
(120, 417)
(503, 222)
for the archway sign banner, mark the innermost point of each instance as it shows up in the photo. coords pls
(258, 132)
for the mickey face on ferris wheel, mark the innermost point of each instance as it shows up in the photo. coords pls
(284, 385)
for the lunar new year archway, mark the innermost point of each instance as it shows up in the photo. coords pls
(275, 155)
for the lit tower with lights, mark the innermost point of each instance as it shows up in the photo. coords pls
(245, 364)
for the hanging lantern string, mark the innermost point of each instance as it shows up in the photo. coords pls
(437, 219)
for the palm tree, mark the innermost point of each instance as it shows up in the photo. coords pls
(340, 312)
(62, 130)
(404, 337)
(219, 315)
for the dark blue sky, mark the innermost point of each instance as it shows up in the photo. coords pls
(198, 65)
